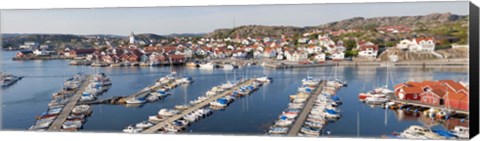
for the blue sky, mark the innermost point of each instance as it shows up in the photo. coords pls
(167, 20)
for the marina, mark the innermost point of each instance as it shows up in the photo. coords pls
(204, 103)
(271, 99)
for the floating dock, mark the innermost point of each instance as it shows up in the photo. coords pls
(417, 103)
(62, 117)
(160, 125)
(297, 125)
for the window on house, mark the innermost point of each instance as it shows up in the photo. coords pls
(434, 99)
(415, 96)
(425, 98)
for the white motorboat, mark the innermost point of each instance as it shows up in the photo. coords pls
(376, 100)
(461, 132)
(419, 132)
(278, 130)
(264, 79)
(228, 67)
(182, 107)
(82, 109)
(131, 129)
(143, 125)
(207, 66)
(314, 124)
(310, 131)
(167, 112)
(310, 81)
(135, 101)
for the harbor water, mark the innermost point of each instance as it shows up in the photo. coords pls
(251, 115)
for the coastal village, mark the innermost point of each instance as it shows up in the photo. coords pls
(313, 107)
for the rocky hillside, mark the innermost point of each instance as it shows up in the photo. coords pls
(430, 20)
(256, 30)
(417, 22)
(412, 56)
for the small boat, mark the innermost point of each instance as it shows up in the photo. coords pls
(221, 102)
(264, 79)
(160, 93)
(310, 131)
(131, 129)
(208, 66)
(310, 81)
(314, 124)
(135, 101)
(155, 119)
(192, 64)
(376, 100)
(182, 107)
(419, 132)
(461, 132)
(167, 112)
(143, 125)
(228, 67)
(87, 97)
(82, 109)
(152, 98)
(278, 130)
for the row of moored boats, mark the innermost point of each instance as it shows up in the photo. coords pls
(324, 109)
(74, 121)
(186, 119)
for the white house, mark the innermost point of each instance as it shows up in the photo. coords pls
(325, 41)
(269, 53)
(369, 51)
(303, 40)
(320, 57)
(314, 49)
(337, 56)
(418, 44)
(296, 56)
(404, 44)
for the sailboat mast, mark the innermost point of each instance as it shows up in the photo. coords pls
(386, 81)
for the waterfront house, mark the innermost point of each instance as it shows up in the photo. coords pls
(296, 55)
(369, 51)
(417, 45)
(411, 90)
(337, 56)
(311, 49)
(319, 57)
(269, 52)
(457, 96)
(447, 93)
(325, 41)
(177, 58)
(79, 52)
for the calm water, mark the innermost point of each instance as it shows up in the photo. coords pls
(247, 116)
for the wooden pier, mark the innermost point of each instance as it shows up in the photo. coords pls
(160, 125)
(62, 117)
(417, 103)
(297, 125)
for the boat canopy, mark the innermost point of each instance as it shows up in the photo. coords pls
(331, 111)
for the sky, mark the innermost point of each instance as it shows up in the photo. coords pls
(204, 19)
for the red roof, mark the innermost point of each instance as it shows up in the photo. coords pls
(365, 47)
(422, 39)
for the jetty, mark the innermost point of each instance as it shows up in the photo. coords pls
(62, 117)
(297, 125)
(431, 63)
(160, 125)
(419, 104)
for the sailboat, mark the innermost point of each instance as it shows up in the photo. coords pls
(338, 81)
(384, 89)
(185, 105)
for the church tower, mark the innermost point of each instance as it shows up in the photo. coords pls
(131, 37)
